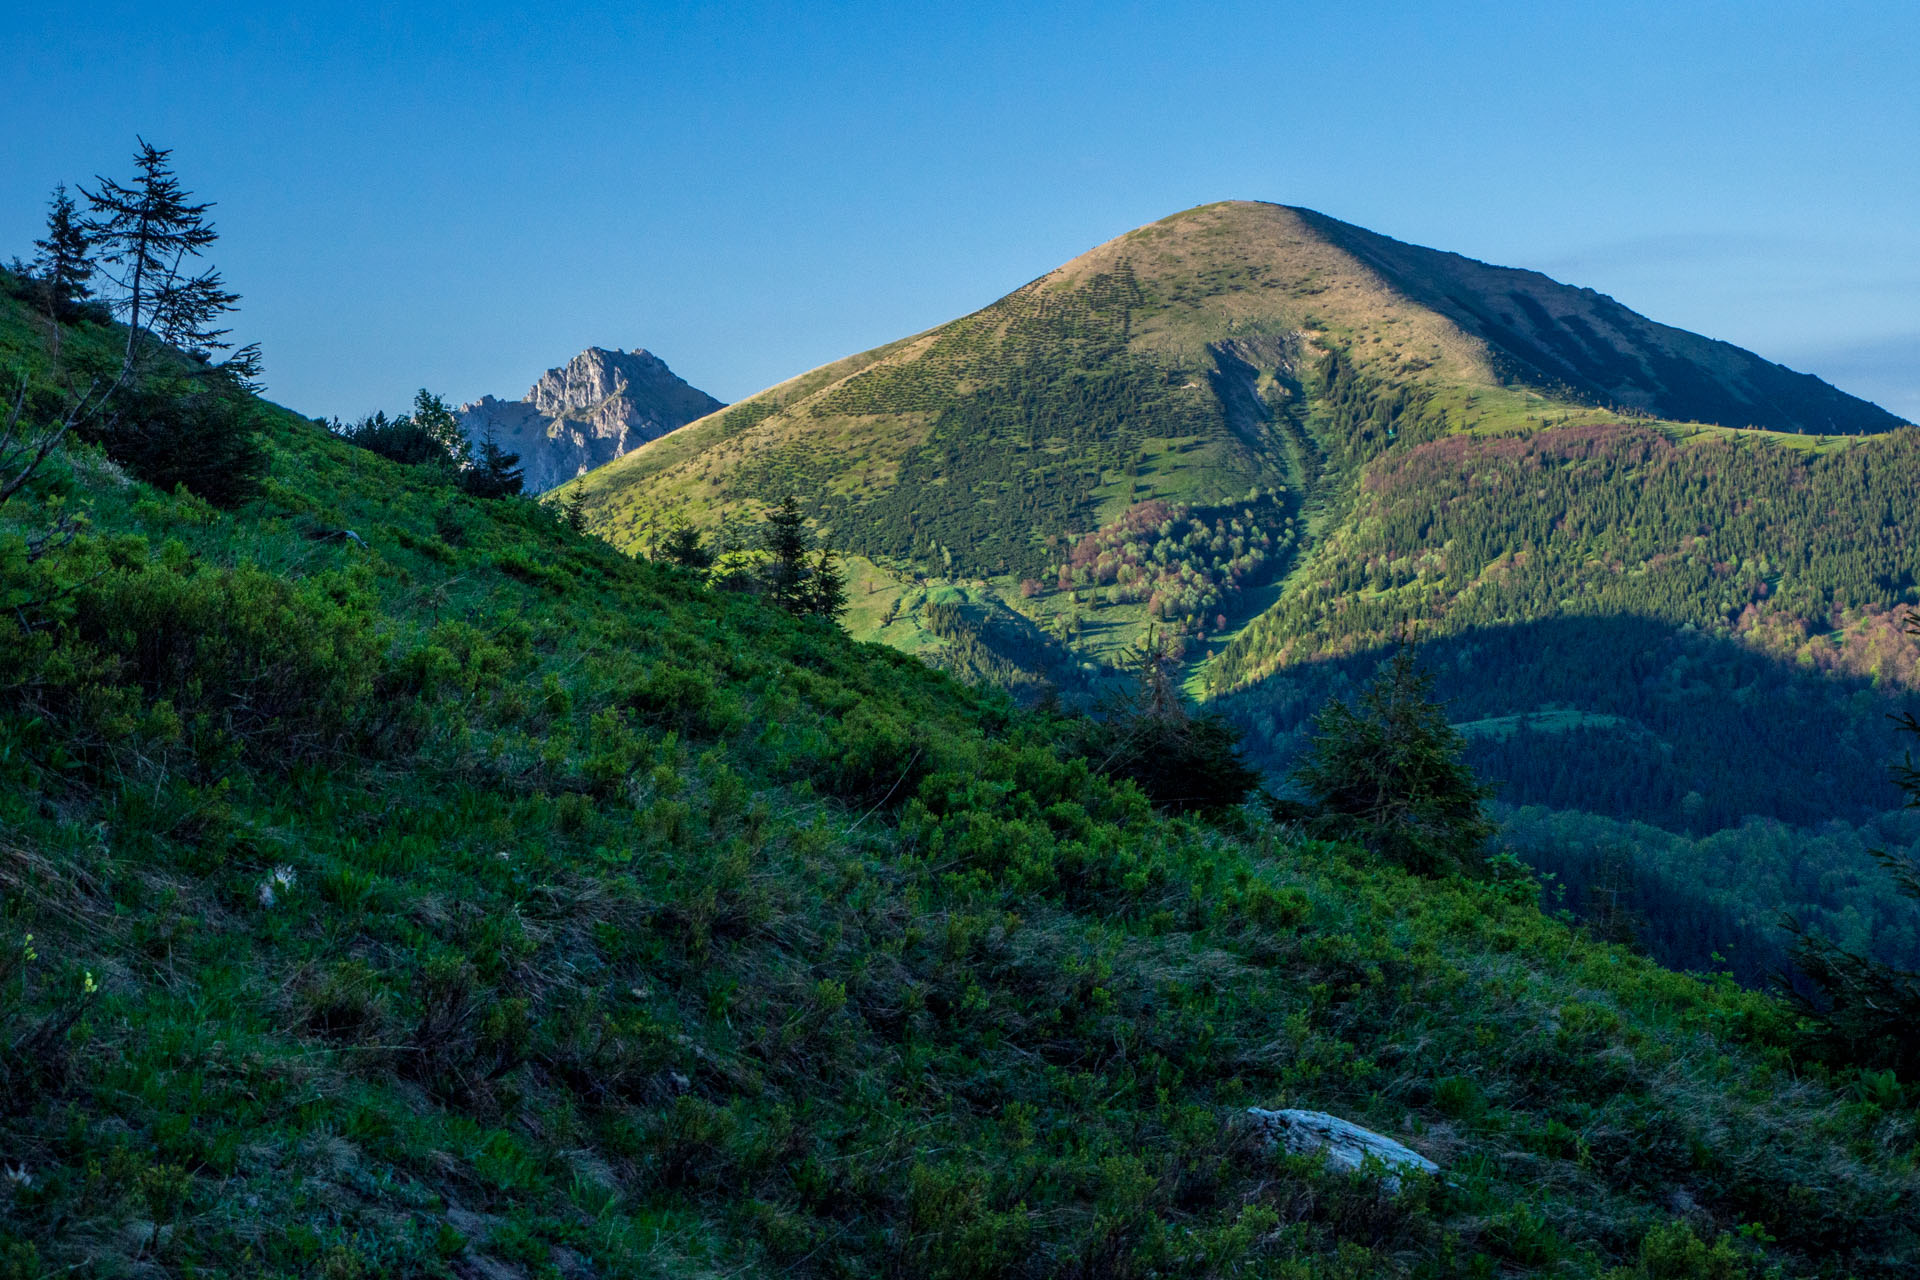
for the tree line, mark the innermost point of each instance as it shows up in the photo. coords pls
(431, 436)
(781, 562)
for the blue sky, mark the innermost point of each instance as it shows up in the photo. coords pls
(460, 197)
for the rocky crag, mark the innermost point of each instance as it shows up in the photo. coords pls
(597, 407)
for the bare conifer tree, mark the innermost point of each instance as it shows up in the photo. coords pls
(147, 233)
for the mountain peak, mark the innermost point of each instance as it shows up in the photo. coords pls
(596, 407)
(1566, 340)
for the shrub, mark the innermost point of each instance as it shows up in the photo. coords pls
(121, 642)
(1390, 775)
(345, 1004)
(399, 439)
(199, 431)
(682, 698)
(1180, 760)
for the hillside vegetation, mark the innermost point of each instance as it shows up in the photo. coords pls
(397, 883)
(1666, 572)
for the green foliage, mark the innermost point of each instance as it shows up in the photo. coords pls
(63, 268)
(471, 898)
(1035, 402)
(495, 473)
(1715, 902)
(827, 586)
(1684, 590)
(1672, 1251)
(398, 439)
(573, 512)
(1181, 760)
(684, 546)
(119, 643)
(784, 574)
(1188, 566)
(196, 429)
(430, 435)
(435, 418)
(815, 588)
(1389, 775)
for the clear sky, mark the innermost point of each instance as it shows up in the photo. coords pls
(461, 196)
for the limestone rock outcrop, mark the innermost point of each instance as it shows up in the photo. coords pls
(599, 405)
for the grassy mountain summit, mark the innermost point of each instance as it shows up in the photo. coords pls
(462, 898)
(1235, 363)
(1181, 362)
(1586, 346)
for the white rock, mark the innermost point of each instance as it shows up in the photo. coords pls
(1347, 1145)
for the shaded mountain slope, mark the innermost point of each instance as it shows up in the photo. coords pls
(1586, 345)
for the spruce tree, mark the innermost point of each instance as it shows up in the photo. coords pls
(827, 589)
(172, 423)
(1181, 760)
(784, 577)
(683, 546)
(574, 511)
(64, 268)
(495, 473)
(1390, 774)
(145, 233)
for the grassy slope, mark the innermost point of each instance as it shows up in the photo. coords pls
(1785, 545)
(629, 929)
(1223, 312)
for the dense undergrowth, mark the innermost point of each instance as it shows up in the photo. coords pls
(398, 883)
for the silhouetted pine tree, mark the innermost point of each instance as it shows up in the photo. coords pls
(827, 588)
(495, 473)
(64, 266)
(145, 233)
(1181, 760)
(171, 423)
(684, 546)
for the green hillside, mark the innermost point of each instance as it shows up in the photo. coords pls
(1158, 433)
(462, 897)
(1285, 441)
